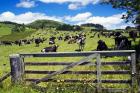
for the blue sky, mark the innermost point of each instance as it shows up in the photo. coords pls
(68, 11)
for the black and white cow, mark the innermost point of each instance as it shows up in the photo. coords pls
(50, 49)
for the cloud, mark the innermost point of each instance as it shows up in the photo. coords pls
(26, 4)
(110, 22)
(73, 4)
(26, 18)
(78, 17)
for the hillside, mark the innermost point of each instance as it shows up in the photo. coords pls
(44, 24)
(94, 26)
(7, 33)
(5, 29)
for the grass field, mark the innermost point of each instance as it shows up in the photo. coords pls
(61, 87)
(4, 29)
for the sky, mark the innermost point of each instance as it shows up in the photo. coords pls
(73, 12)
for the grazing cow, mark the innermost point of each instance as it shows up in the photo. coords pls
(133, 35)
(98, 35)
(18, 42)
(117, 34)
(60, 38)
(101, 45)
(37, 42)
(7, 43)
(52, 40)
(67, 37)
(72, 41)
(81, 42)
(124, 44)
(50, 49)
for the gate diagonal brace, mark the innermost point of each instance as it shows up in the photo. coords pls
(64, 69)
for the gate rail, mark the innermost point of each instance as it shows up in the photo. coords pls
(18, 66)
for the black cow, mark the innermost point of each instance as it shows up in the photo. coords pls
(124, 44)
(7, 43)
(37, 42)
(18, 42)
(133, 35)
(101, 45)
(50, 49)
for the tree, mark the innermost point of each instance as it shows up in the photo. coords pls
(66, 27)
(22, 28)
(131, 6)
(18, 28)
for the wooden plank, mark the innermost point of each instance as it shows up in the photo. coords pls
(77, 72)
(98, 76)
(116, 72)
(5, 76)
(117, 63)
(133, 72)
(78, 54)
(81, 81)
(65, 68)
(68, 63)
(116, 81)
(17, 68)
(115, 90)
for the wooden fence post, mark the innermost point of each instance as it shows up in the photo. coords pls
(133, 72)
(17, 68)
(98, 68)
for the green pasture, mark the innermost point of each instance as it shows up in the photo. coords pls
(60, 86)
(5, 29)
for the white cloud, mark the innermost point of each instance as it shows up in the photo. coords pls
(73, 4)
(26, 18)
(79, 17)
(26, 4)
(110, 22)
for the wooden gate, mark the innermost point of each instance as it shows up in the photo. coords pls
(18, 67)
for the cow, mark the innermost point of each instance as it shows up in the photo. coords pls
(7, 43)
(52, 40)
(67, 37)
(50, 49)
(101, 45)
(37, 42)
(124, 44)
(60, 38)
(81, 42)
(18, 42)
(133, 35)
(72, 41)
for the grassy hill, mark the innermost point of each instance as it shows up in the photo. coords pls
(7, 34)
(16, 36)
(5, 29)
(6, 26)
(44, 24)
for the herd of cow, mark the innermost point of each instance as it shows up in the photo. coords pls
(121, 42)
